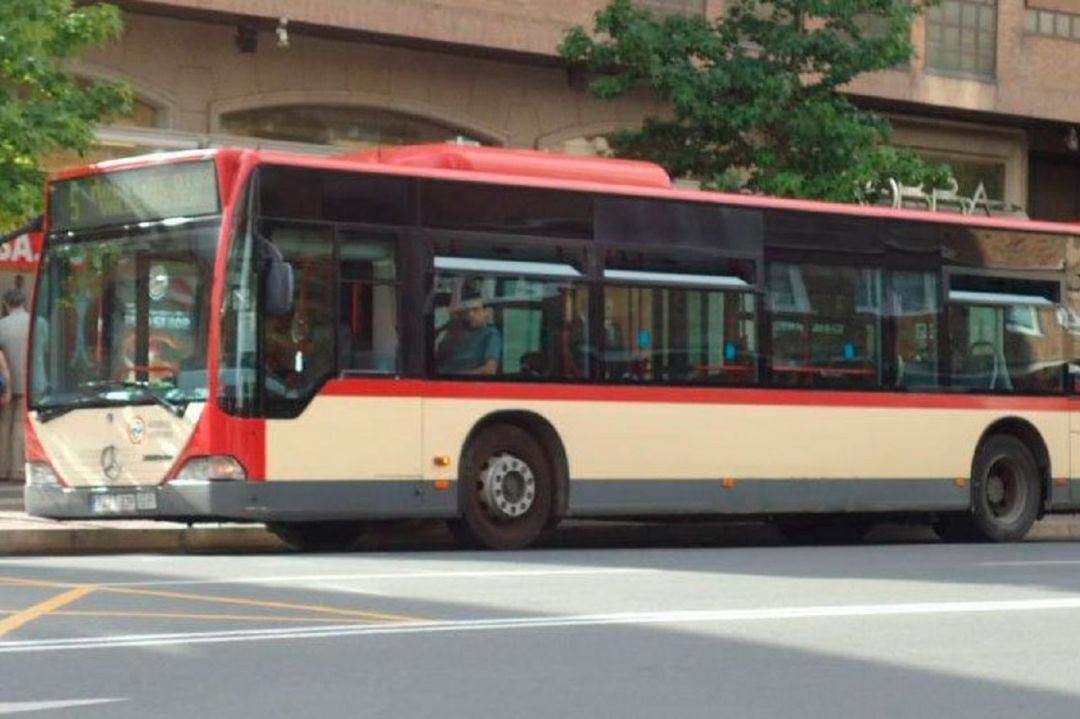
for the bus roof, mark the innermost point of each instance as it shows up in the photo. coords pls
(532, 168)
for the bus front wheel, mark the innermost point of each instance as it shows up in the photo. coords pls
(506, 489)
(318, 536)
(1005, 495)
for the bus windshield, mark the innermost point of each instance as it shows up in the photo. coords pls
(123, 292)
(122, 319)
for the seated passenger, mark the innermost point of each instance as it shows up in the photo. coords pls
(470, 345)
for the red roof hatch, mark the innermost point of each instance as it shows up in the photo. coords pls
(526, 163)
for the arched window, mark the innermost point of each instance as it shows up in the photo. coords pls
(354, 128)
(122, 137)
(595, 145)
(143, 114)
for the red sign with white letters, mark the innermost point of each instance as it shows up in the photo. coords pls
(21, 253)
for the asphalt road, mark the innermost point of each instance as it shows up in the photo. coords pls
(741, 630)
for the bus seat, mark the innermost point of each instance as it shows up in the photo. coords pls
(533, 364)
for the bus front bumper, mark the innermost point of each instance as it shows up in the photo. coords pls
(252, 501)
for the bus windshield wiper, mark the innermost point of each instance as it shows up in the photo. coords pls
(143, 388)
(49, 412)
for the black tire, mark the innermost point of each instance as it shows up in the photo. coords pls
(318, 536)
(1006, 491)
(505, 490)
(823, 529)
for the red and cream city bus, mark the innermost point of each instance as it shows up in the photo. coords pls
(503, 339)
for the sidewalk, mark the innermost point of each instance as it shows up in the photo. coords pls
(21, 534)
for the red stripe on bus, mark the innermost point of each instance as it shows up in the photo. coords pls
(370, 387)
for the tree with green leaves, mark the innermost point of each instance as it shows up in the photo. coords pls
(754, 98)
(44, 107)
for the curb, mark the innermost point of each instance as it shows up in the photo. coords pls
(81, 540)
(61, 539)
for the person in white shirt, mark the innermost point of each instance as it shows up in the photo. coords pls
(14, 338)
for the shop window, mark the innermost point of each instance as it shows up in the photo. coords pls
(970, 174)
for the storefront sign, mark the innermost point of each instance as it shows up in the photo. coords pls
(21, 253)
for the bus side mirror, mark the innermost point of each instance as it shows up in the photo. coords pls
(278, 288)
(277, 280)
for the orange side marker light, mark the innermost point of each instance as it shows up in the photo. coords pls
(961, 482)
(442, 484)
(727, 483)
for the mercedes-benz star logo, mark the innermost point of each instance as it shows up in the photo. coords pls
(110, 464)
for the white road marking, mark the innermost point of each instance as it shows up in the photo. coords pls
(342, 589)
(720, 616)
(20, 707)
(373, 576)
(1032, 563)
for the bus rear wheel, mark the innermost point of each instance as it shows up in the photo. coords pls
(1005, 495)
(318, 536)
(506, 490)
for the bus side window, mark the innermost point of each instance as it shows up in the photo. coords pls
(525, 327)
(914, 305)
(1006, 335)
(509, 309)
(367, 333)
(826, 324)
(299, 347)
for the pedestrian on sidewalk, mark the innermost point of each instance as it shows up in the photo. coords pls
(14, 338)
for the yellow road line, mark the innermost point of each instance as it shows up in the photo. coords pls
(197, 615)
(42, 608)
(35, 582)
(370, 616)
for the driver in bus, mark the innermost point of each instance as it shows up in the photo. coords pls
(470, 344)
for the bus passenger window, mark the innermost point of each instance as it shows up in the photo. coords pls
(468, 342)
(1006, 336)
(367, 304)
(913, 306)
(826, 325)
(519, 320)
(676, 335)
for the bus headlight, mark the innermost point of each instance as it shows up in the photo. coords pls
(41, 474)
(211, 469)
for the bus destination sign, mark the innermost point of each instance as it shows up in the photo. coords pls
(158, 192)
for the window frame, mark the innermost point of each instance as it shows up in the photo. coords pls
(960, 27)
(1056, 281)
(470, 245)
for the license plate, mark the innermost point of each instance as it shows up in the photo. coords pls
(122, 503)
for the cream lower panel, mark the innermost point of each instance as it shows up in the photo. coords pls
(639, 441)
(347, 438)
(116, 446)
(1074, 420)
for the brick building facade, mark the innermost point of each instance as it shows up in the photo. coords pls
(993, 89)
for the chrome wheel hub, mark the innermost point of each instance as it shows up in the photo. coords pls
(1005, 492)
(507, 486)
